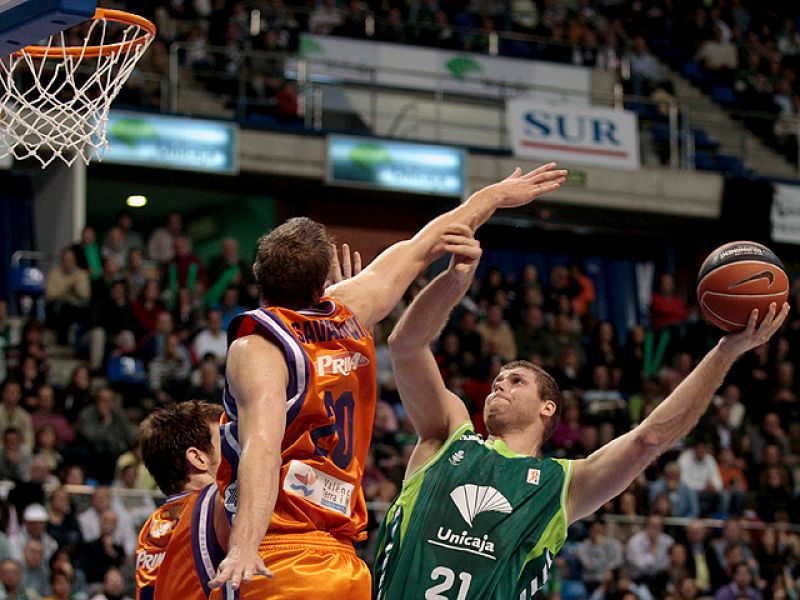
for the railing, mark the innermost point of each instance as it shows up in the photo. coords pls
(433, 110)
(85, 490)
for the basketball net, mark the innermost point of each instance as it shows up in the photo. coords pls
(55, 98)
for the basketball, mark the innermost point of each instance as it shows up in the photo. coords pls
(736, 278)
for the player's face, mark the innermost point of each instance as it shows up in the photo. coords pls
(513, 402)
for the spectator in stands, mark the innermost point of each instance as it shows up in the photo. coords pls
(733, 479)
(775, 495)
(585, 296)
(138, 507)
(325, 17)
(229, 306)
(667, 308)
(137, 273)
(184, 270)
(161, 245)
(107, 433)
(45, 415)
(602, 402)
(169, 372)
(645, 69)
(33, 528)
(67, 291)
(646, 553)
(114, 247)
(700, 472)
(13, 415)
(770, 432)
(702, 560)
(186, 315)
(112, 315)
(229, 268)
(105, 552)
(60, 584)
(62, 525)
(77, 394)
(63, 560)
(130, 238)
(740, 586)
(719, 58)
(731, 397)
(35, 574)
(212, 338)
(682, 498)
(147, 308)
(10, 576)
(598, 554)
(531, 336)
(496, 334)
(210, 385)
(113, 587)
(91, 520)
(87, 253)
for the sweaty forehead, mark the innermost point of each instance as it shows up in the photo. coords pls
(518, 371)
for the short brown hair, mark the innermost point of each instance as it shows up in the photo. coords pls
(168, 432)
(292, 263)
(548, 391)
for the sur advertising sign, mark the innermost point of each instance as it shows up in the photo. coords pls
(166, 142)
(785, 214)
(573, 134)
(401, 166)
(396, 65)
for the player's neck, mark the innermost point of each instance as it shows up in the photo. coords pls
(520, 442)
(198, 481)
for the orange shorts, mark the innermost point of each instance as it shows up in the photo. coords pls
(305, 566)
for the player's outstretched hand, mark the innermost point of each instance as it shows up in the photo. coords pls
(459, 241)
(346, 268)
(239, 567)
(519, 189)
(752, 336)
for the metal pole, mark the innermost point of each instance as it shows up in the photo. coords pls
(674, 138)
(173, 78)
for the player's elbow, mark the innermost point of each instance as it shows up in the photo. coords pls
(648, 440)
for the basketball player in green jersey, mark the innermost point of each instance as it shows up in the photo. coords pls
(481, 519)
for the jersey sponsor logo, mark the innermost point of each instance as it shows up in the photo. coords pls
(160, 529)
(318, 488)
(472, 437)
(456, 458)
(232, 497)
(148, 561)
(341, 364)
(464, 542)
(533, 476)
(472, 500)
(306, 480)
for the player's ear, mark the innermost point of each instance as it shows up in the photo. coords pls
(197, 459)
(549, 408)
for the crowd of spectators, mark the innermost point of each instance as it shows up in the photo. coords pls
(149, 320)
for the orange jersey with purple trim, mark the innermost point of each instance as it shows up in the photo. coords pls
(154, 538)
(193, 554)
(330, 407)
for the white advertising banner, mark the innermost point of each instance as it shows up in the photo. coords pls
(582, 135)
(785, 214)
(455, 72)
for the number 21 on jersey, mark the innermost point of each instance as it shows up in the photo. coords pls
(449, 577)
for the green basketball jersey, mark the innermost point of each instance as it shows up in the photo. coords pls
(476, 522)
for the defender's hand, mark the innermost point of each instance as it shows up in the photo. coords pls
(239, 566)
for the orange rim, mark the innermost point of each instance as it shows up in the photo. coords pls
(115, 16)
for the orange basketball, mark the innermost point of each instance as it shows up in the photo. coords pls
(735, 279)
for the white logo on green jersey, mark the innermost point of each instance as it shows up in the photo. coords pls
(457, 458)
(472, 500)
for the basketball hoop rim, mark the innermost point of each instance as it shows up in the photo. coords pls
(116, 16)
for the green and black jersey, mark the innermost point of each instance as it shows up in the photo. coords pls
(476, 522)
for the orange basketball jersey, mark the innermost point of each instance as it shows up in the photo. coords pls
(154, 538)
(330, 408)
(194, 554)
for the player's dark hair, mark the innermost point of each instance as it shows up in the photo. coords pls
(548, 391)
(168, 432)
(292, 263)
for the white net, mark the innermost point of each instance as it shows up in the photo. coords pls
(54, 102)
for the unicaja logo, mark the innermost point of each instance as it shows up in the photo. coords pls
(472, 500)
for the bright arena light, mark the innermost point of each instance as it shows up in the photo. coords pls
(136, 201)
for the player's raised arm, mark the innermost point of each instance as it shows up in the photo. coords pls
(257, 375)
(433, 409)
(377, 289)
(611, 469)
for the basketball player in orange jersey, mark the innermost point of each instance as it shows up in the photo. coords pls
(180, 448)
(300, 399)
